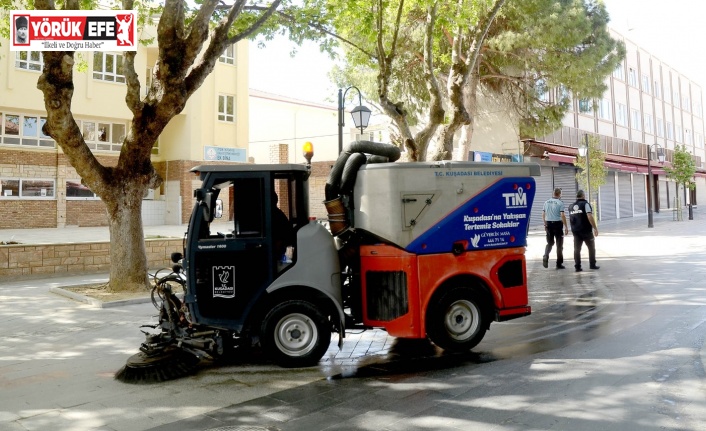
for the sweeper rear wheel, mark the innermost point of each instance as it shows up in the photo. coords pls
(170, 363)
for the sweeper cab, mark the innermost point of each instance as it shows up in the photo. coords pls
(424, 249)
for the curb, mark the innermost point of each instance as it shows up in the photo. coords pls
(95, 302)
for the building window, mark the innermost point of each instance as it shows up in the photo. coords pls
(648, 123)
(366, 136)
(27, 188)
(670, 130)
(697, 109)
(108, 67)
(148, 81)
(621, 114)
(563, 94)
(636, 120)
(687, 137)
(103, 136)
(660, 127)
(226, 110)
(632, 77)
(646, 84)
(24, 130)
(29, 60)
(77, 191)
(619, 72)
(699, 140)
(686, 103)
(658, 90)
(586, 106)
(604, 111)
(679, 138)
(668, 92)
(228, 56)
(675, 98)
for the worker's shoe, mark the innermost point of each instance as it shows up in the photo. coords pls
(578, 269)
(560, 266)
(595, 267)
(545, 261)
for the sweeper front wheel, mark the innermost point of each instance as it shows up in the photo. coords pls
(171, 363)
(295, 334)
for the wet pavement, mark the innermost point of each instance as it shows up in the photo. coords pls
(57, 358)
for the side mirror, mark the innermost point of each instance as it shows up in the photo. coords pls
(218, 211)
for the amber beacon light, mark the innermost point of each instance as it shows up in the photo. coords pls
(308, 151)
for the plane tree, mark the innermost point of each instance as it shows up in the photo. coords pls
(190, 38)
(430, 59)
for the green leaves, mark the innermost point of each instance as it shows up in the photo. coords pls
(683, 167)
(565, 44)
(596, 171)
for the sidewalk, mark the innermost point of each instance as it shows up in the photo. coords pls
(92, 234)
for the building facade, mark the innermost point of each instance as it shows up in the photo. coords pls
(39, 188)
(648, 105)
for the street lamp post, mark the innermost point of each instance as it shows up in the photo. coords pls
(650, 186)
(360, 114)
(584, 151)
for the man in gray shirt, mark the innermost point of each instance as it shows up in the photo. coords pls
(556, 227)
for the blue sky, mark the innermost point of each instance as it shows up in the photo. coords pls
(669, 30)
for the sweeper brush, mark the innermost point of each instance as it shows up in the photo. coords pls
(171, 363)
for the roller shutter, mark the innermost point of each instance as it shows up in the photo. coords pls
(663, 203)
(565, 178)
(606, 204)
(624, 195)
(543, 191)
(640, 193)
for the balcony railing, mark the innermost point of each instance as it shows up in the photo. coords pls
(571, 137)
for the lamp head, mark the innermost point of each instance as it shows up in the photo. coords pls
(361, 116)
(660, 154)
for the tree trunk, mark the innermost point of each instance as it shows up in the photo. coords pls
(128, 259)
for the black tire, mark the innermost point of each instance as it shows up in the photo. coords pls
(295, 334)
(457, 321)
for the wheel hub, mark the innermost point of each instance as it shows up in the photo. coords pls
(296, 334)
(462, 320)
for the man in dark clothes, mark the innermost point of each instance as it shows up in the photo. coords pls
(282, 231)
(584, 228)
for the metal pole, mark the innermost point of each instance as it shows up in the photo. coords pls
(360, 103)
(340, 121)
(650, 198)
(588, 171)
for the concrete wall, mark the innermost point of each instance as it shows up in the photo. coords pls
(78, 258)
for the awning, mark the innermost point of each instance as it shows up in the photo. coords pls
(561, 158)
(612, 165)
(628, 168)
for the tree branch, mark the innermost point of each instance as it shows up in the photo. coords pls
(198, 30)
(322, 29)
(256, 25)
(436, 110)
(132, 81)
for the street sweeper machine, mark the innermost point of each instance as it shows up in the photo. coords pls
(419, 249)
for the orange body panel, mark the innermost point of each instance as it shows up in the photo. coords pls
(386, 258)
(425, 273)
